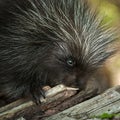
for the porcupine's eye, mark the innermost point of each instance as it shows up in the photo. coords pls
(70, 62)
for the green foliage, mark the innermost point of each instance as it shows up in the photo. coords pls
(107, 116)
(110, 11)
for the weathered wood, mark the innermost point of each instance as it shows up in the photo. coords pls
(23, 106)
(52, 105)
(108, 102)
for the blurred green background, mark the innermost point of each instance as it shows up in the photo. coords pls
(110, 9)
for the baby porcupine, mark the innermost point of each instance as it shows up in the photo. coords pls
(49, 42)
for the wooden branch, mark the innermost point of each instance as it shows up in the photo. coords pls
(23, 106)
(90, 91)
(108, 102)
(57, 99)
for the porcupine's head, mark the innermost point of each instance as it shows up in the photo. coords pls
(67, 40)
(80, 42)
(76, 42)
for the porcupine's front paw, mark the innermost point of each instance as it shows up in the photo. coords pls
(37, 93)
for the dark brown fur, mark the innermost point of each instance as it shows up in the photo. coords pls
(49, 42)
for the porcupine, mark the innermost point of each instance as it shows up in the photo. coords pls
(49, 42)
